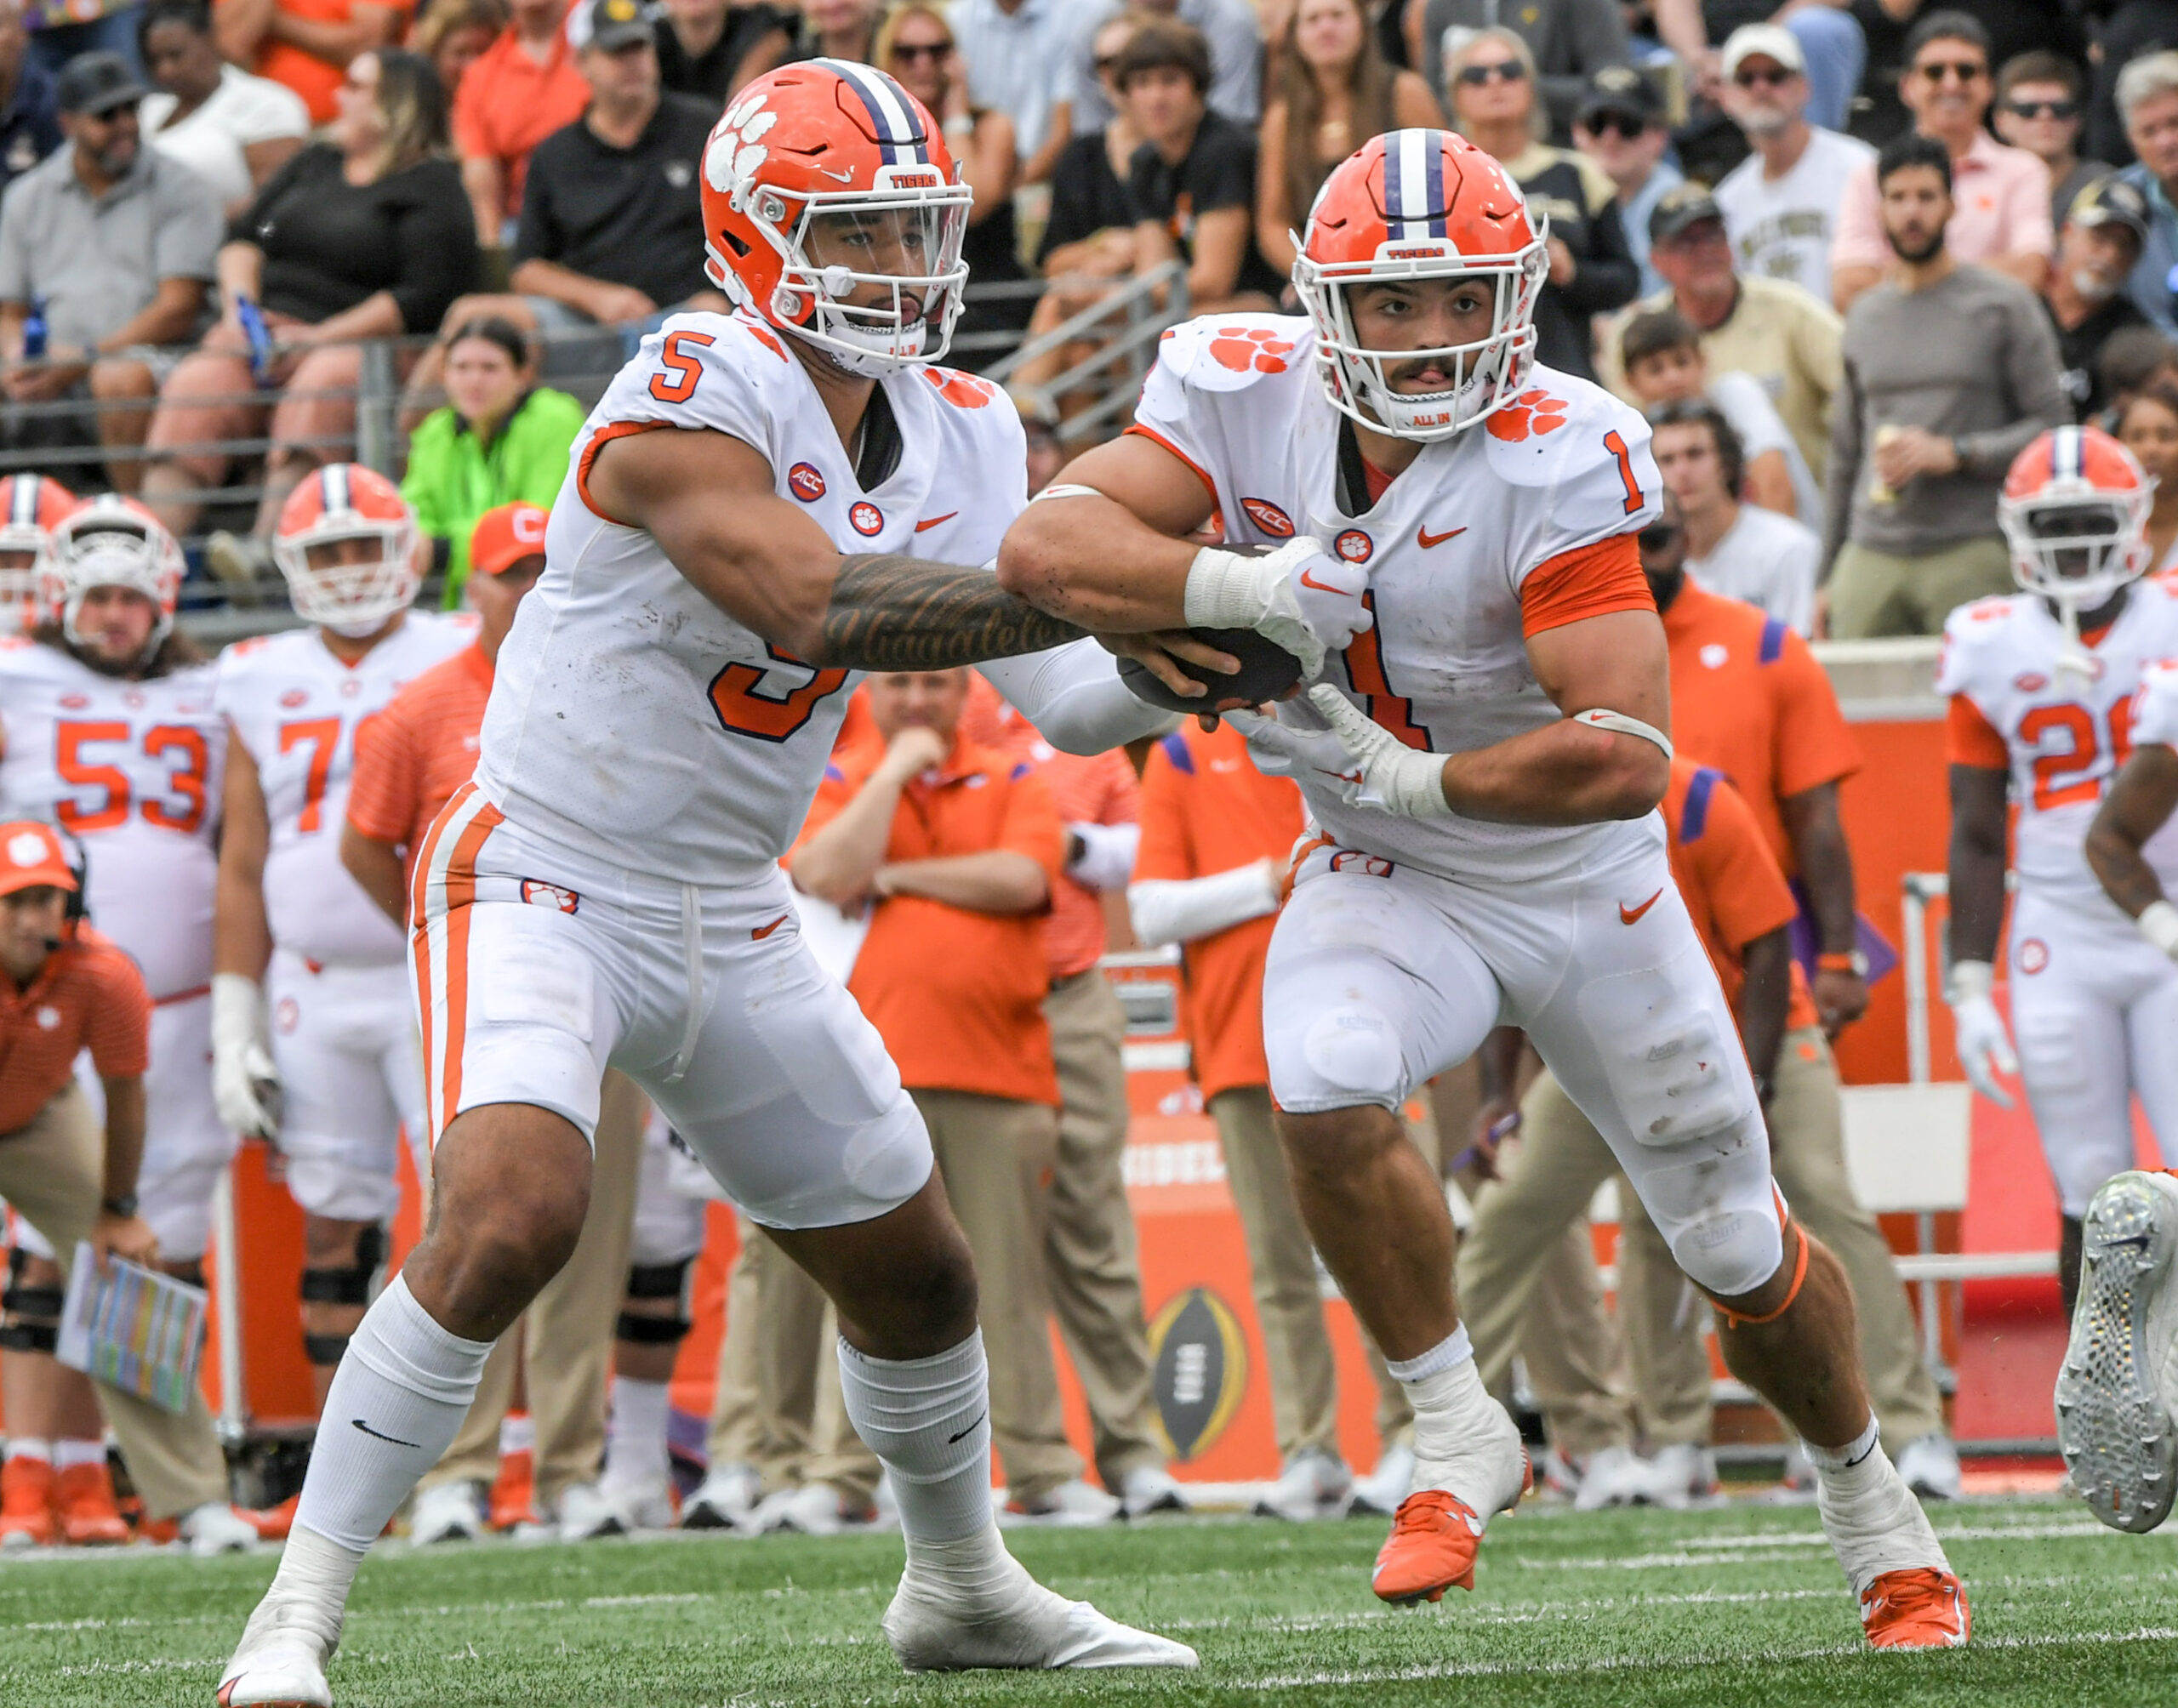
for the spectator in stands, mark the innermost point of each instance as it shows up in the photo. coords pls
(520, 90)
(1663, 361)
(1950, 370)
(231, 129)
(1489, 89)
(708, 48)
(116, 242)
(1769, 328)
(306, 44)
(1569, 41)
(917, 46)
(1833, 51)
(2147, 97)
(954, 849)
(2147, 426)
(2002, 219)
(1039, 424)
(30, 119)
(2132, 361)
(1192, 183)
(500, 439)
(1017, 54)
(1229, 33)
(2040, 109)
(1740, 550)
(1333, 92)
(2133, 31)
(2098, 244)
(838, 30)
(365, 236)
(454, 34)
(1621, 126)
(1781, 204)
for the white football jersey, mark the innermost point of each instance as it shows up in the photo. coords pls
(635, 723)
(2065, 734)
(2155, 708)
(135, 770)
(1449, 547)
(295, 708)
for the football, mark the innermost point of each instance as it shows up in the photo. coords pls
(1267, 670)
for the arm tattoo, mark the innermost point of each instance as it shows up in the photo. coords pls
(890, 612)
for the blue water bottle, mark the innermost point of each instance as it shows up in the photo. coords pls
(34, 331)
(260, 340)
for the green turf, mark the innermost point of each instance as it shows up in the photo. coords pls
(1743, 1607)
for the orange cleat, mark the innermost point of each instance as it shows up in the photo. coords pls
(1921, 1608)
(26, 1504)
(83, 1505)
(271, 1524)
(514, 1492)
(158, 1532)
(1430, 1550)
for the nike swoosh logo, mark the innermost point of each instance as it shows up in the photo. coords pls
(391, 1440)
(955, 1440)
(1425, 540)
(761, 932)
(1322, 586)
(1628, 916)
(926, 526)
(842, 177)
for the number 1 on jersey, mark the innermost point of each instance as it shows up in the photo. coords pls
(1616, 444)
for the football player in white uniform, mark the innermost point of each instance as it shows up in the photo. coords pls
(741, 532)
(1483, 765)
(2041, 685)
(313, 1033)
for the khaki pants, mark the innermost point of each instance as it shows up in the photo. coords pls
(1091, 1261)
(1874, 594)
(1808, 1147)
(997, 1158)
(566, 1346)
(770, 1366)
(52, 1171)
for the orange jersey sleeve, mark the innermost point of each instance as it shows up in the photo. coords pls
(1970, 738)
(1815, 743)
(1590, 581)
(1746, 894)
(386, 785)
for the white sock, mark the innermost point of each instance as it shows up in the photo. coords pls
(397, 1402)
(928, 1421)
(517, 1433)
(309, 1594)
(25, 1447)
(635, 1440)
(1453, 1413)
(1854, 1453)
(68, 1454)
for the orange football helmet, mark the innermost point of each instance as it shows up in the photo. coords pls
(824, 179)
(1421, 204)
(2074, 512)
(31, 507)
(347, 544)
(110, 541)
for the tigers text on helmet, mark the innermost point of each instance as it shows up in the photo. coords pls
(347, 544)
(110, 541)
(31, 507)
(825, 183)
(1416, 205)
(2074, 512)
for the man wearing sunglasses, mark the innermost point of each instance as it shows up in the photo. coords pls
(2001, 195)
(1621, 126)
(2040, 108)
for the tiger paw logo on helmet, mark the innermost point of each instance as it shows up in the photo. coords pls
(736, 145)
(1243, 349)
(1531, 414)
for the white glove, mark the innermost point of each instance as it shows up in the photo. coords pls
(1298, 744)
(245, 1081)
(2158, 923)
(1364, 762)
(1301, 596)
(1984, 1046)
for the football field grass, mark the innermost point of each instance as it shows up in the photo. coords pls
(1740, 1607)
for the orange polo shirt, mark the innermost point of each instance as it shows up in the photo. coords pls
(315, 80)
(411, 756)
(89, 996)
(1748, 697)
(958, 996)
(507, 104)
(1729, 879)
(1206, 809)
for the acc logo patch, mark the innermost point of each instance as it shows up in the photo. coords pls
(867, 518)
(74, 702)
(295, 696)
(2033, 956)
(1531, 414)
(1355, 546)
(539, 894)
(803, 481)
(1269, 517)
(1200, 1370)
(2030, 681)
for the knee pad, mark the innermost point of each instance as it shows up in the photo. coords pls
(1355, 1049)
(30, 1317)
(656, 1281)
(1664, 1036)
(353, 1284)
(1729, 1252)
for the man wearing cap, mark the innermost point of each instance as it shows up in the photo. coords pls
(409, 760)
(64, 989)
(1781, 204)
(2098, 245)
(1621, 126)
(118, 242)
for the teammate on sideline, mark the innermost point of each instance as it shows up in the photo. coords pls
(293, 934)
(2041, 686)
(607, 891)
(1485, 510)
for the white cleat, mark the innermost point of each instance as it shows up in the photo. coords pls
(1929, 1465)
(1380, 1492)
(215, 1529)
(1014, 1622)
(2117, 1392)
(815, 1509)
(726, 1502)
(1313, 1485)
(642, 1506)
(1071, 1505)
(450, 1512)
(280, 1662)
(1613, 1477)
(586, 1513)
(1149, 1489)
(1682, 1475)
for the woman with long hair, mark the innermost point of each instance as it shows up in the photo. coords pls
(453, 34)
(2147, 426)
(1334, 92)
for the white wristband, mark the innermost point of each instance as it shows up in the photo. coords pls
(2158, 923)
(1970, 979)
(1221, 591)
(1624, 726)
(1061, 490)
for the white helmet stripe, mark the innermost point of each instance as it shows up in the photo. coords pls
(334, 488)
(897, 126)
(1414, 208)
(2067, 454)
(22, 501)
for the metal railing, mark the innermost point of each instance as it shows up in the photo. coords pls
(1123, 326)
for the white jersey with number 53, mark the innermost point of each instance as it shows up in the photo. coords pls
(635, 724)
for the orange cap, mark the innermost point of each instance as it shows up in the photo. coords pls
(30, 854)
(502, 536)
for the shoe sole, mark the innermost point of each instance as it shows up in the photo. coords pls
(2117, 1441)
